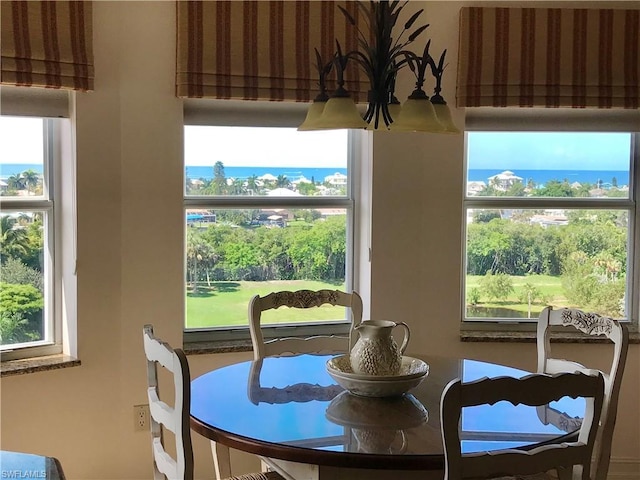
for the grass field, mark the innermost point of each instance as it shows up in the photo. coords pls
(226, 303)
(550, 287)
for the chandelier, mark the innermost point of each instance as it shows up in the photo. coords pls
(381, 58)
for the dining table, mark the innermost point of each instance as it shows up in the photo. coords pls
(22, 465)
(290, 412)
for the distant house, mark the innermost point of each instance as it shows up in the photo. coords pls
(474, 188)
(274, 218)
(504, 181)
(337, 179)
(549, 218)
(302, 179)
(330, 212)
(267, 177)
(3, 185)
(283, 192)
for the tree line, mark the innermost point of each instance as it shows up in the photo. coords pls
(22, 285)
(589, 253)
(311, 248)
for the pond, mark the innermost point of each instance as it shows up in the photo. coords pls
(497, 312)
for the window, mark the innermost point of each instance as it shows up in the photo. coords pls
(29, 323)
(266, 209)
(550, 220)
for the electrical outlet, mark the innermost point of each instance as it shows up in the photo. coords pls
(141, 418)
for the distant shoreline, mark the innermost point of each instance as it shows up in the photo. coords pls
(540, 177)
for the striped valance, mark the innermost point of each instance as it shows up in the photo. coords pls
(549, 57)
(47, 44)
(262, 50)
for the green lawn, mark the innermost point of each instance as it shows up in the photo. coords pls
(226, 303)
(550, 287)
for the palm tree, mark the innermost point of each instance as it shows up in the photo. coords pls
(14, 242)
(31, 179)
(15, 182)
(252, 186)
(282, 181)
(198, 252)
(219, 181)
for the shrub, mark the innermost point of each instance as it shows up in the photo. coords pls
(473, 296)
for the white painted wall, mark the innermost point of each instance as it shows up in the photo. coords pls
(130, 256)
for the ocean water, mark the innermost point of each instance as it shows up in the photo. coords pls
(9, 169)
(317, 174)
(540, 177)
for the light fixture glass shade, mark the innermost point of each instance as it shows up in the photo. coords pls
(313, 116)
(417, 115)
(340, 112)
(444, 117)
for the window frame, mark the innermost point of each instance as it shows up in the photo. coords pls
(196, 113)
(539, 120)
(49, 204)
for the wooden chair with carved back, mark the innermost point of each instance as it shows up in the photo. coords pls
(590, 324)
(302, 299)
(571, 459)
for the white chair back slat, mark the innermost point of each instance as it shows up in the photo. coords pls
(157, 351)
(533, 390)
(590, 324)
(302, 299)
(164, 463)
(162, 413)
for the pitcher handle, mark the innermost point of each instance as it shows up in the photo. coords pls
(407, 335)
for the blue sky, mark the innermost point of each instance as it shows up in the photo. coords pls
(548, 150)
(21, 143)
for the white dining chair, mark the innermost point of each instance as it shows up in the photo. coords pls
(176, 418)
(571, 459)
(302, 299)
(591, 324)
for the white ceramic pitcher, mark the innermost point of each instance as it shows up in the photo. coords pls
(376, 352)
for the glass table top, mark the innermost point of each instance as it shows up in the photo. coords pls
(293, 401)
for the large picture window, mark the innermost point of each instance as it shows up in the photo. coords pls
(26, 225)
(266, 209)
(550, 220)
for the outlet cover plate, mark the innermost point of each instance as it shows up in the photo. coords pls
(141, 418)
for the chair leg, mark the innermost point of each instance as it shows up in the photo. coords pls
(221, 460)
(564, 473)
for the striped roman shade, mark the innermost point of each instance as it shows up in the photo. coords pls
(47, 44)
(549, 57)
(262, 50)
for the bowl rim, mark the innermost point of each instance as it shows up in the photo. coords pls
(370, 388)
(377, 378)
